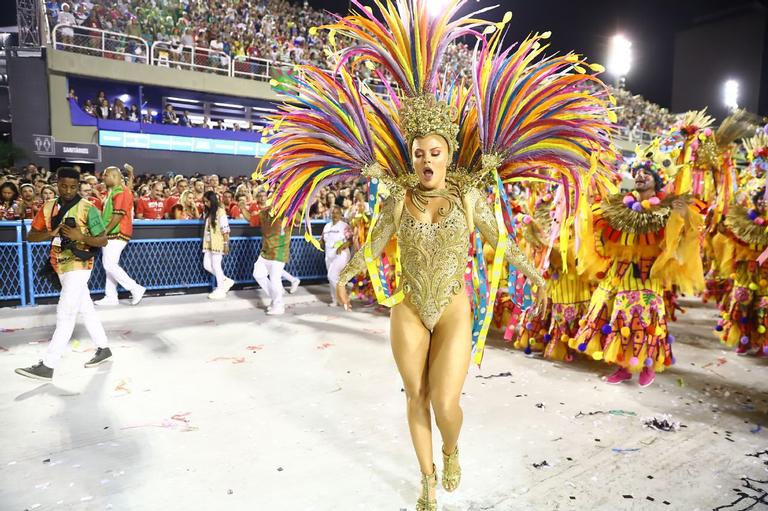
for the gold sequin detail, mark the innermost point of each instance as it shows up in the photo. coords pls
(434, 255)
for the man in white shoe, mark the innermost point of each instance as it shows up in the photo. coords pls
(251, 213)
(73, 226)
(275, 249)
(118, 217)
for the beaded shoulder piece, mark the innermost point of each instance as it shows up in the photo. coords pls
(625, 220)
(744, 229)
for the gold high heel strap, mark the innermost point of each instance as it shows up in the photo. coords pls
(428, 481)
(451, 470)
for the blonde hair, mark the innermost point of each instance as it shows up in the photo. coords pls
(183, 201)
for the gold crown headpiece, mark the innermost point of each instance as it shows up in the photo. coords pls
(424, 115)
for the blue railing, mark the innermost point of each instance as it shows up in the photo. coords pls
(12, 284)
(162, 263)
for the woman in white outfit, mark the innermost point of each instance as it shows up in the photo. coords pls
(337, 238)
(216, 244)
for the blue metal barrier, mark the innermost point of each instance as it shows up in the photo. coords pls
(12, 285)
(177, 263)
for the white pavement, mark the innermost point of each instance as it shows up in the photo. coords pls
(214, 405)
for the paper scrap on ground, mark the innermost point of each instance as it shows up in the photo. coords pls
(662, 423)
(235, 360)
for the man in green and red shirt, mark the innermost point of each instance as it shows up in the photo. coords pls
(73, 225)
(275, 251)
(117, 215)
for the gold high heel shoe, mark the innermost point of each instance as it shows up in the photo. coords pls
(451, 470)
(428, 482)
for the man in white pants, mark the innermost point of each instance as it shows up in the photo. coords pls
(337, 239)
(73, 225)
(251, 213)
(268, 270)
(118, 217)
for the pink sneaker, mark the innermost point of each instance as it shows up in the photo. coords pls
(647, 375)
(621, 375)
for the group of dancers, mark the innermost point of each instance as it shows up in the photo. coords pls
(602, 267)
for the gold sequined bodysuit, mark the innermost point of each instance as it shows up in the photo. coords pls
(434, 255)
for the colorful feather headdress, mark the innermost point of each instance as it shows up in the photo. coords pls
(523, 117)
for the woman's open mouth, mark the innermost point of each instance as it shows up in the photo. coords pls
(427, 173)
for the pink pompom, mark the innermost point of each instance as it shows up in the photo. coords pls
(707, 132)
(759, 220)
(655, 201)
(527, 219)
(633, 361)
(628, 200)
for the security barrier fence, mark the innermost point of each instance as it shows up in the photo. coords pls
(163, 255)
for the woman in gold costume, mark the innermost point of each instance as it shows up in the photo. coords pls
(443, 150)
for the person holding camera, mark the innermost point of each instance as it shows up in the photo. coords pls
(73, 226)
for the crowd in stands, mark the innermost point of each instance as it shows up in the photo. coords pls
(638, 114)
(169, 197)
(274, 30)
(104, 107)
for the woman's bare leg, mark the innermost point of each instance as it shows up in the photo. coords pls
(449, 358)
(410, 347)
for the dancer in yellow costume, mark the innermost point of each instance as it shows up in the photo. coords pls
(568, 291)
(743, 256)
(443, 150)
(708, 154)
(640, 245)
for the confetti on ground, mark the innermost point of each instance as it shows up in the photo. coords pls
(618, 413)
(178, 422)
(622, 451)
(10, 330)
(720, 361)
(756, 429)
(541, 465)
(499, 375)
(373, 331)
(255, 347)
(40, 341)
(235, 360)
(680, 382)
(121, 386)
(325, 345)
(662, 423)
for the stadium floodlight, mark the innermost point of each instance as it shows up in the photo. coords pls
(619, 57)
(731, 94)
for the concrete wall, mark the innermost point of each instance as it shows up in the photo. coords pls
(61, 125)
(29, 105)
(63, 63)
(178, 162)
